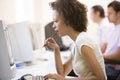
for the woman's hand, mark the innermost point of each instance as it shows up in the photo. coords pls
(51, 42)
(54, 76)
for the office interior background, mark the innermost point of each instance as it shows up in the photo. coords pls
(26, 20)
(38, 11)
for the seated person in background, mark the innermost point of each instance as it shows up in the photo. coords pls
(98, 16)
(70, 18)
(111, 46)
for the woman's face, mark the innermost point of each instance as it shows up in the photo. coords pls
(59, 25)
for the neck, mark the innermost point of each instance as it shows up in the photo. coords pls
(99, 20)
(117, 22)
(73, 35)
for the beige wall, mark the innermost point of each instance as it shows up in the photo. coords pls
(13, 11)
(90, 3)
(24, 10)
(7, 11)
(42, 11)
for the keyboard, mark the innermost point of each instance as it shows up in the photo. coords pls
(38, 78)
(30, 77)
(41, 78)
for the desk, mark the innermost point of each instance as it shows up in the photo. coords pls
(39, 66)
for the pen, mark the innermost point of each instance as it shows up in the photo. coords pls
(51, 37)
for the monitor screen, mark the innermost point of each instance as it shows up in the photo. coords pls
(6, 32)
(7, 68)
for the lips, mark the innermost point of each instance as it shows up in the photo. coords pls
(56, 31)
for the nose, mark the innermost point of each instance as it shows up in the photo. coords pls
(54, 26)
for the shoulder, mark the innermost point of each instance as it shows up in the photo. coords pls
(85, 40)
(85, 37)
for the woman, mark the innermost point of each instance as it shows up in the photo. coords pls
(70, 19)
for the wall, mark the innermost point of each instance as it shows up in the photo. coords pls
(42, 11)
(13, 11)
(24, 10)
(7, 11)
(39, 11)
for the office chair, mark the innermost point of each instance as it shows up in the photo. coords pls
(49, 30)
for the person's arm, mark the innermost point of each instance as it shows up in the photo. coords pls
(103, 47)
(92, 61)
(62, 69)
(59, 77)
(113, 56)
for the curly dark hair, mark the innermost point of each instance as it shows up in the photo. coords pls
(73, 13)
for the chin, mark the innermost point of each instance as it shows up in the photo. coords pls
(61, 35)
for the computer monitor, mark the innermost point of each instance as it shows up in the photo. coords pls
(7, 66)
(21, 42)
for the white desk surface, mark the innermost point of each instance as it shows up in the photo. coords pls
(40, 66)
